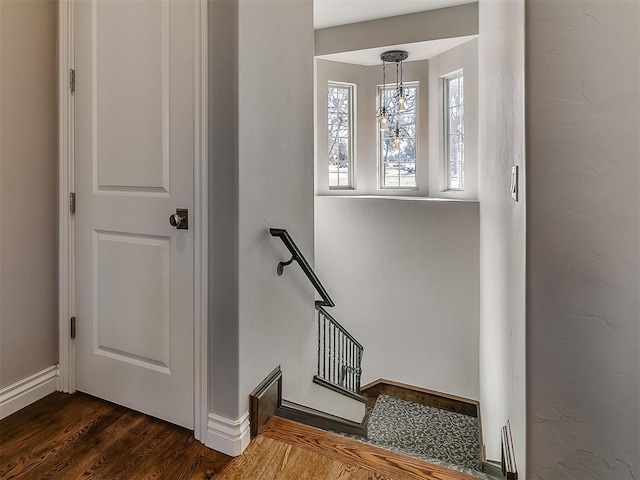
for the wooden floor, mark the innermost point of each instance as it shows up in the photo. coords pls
(77, 436)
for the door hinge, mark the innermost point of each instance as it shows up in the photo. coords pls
(72, 80)
(72, 202)
(73, 327)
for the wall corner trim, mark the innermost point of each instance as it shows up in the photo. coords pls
(28, 390)
(230, 437)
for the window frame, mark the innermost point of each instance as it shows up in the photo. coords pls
(446, 148)
(379, 136)
(352, 88)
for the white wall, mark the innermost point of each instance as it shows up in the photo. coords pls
(458, 21)
(404, 276)
(28, 189)
(275, 189)
(464, 57)
(502, 224)
(583, 150)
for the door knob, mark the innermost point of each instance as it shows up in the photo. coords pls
(180, 219)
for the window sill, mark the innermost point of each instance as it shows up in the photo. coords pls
(404, 197)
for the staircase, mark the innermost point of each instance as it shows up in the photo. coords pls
(427, 426)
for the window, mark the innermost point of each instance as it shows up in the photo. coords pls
(340, 135)
(454, 131)
(397, 145)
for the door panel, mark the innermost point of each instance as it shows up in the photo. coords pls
(132, 82)
(132, 318)
(134, 161)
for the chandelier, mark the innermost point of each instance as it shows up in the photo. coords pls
(385, 115)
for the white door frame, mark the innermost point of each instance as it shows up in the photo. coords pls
(66, 223)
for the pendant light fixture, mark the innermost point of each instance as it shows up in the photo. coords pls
(384, 114)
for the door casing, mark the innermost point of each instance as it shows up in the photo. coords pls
(198, 220)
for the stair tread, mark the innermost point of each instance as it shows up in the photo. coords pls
(351, 451)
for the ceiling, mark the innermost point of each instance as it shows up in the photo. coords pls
(329, 13)
(417, 51)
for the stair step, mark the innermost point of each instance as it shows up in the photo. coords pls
(356, 453)
(315, 418)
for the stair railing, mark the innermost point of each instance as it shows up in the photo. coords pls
(339, 353)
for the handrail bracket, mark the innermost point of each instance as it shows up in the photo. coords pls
(281, 265)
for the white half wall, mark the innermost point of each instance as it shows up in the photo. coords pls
(404, 276)
(583, 221)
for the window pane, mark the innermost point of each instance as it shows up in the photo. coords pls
(398, 160)
(339, 135)
(454, 127)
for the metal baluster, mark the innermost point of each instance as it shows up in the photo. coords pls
(354, 378)
(358, 371)
(343, 363)
(351, 365)
(324, 346)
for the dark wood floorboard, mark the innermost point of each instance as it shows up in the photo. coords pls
(77, 436)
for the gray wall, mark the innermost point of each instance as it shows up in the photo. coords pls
(583, 150)
(224, 341)
(502, 224)
(28, 189)
(404, 275)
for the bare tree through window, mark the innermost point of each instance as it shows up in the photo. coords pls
(454, 128)
(340, 135)
(398, 158)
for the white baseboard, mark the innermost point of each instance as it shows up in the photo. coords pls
(228, 436)
(28, 390)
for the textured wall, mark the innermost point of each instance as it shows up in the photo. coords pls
(502, 223)
(583, 125)
(404, 276)
(28, 189)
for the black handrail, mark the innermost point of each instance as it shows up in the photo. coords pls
(297, 255)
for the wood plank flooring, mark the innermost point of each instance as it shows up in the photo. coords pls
(67, 437)
(350, 451)
(79, 436)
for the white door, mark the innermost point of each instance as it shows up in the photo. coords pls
(134, 164)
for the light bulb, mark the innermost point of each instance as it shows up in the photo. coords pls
(383, 121)
(396, 141)
(401, 105)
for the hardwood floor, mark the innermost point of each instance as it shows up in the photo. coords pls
(77, 436)
(349, 451)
